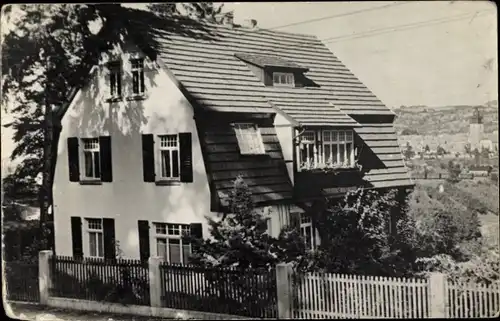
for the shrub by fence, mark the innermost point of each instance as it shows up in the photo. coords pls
(21, 280)
(249, 293)
(116, 281)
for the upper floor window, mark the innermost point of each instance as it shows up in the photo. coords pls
(283, 79)
(249, 139)
(91, 158)
(137, 67)
(169, 157)
(327, 148)
(169, 242)
(115, 79)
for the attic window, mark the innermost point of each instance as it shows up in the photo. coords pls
(249, 139)
(283, 79)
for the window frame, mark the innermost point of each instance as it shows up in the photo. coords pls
(256, 147)
(288, 76)
(167, 237)
(141, 86)
(115, 69)
(94, 150)
(159, 150)
(98, 232)
(319, 156)
(303, 226)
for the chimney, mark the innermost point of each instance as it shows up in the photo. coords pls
(228, 19)
(251, 23)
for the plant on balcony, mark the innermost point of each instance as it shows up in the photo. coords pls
(329, 166)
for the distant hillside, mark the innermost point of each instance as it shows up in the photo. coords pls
(423, 120)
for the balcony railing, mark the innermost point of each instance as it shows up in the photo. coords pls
(329, 166)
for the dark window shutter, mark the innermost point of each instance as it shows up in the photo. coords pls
(106, 161)
(148, 157)
(76, 237)
(108, 225)
(196, 232)
(186, 157)
(73, 159)
(143, 228)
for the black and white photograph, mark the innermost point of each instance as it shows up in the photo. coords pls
(250, 160)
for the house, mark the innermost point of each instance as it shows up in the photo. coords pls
(170, 116)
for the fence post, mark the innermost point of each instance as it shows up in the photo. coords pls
(155, 281)
(438, 295)
(44, 275)
(284, 290)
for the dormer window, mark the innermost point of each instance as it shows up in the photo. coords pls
(284, 79)
(249, 139)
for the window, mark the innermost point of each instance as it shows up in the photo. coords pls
(336, 149)
(169, 242)
(137, 76)
(283, 79)
(115, 79)
(308, 147)
(95, 237)
(169, 157)
(249, 139)
(306, 230)
(91, 158)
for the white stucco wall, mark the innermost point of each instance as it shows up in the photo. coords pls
(128, 198)
(284, 131)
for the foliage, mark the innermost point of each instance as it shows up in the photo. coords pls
(356, 236)
(454, 171)
(467, 149)
(442, 224)
(440, 151)
(196, 10)
(482, 266)
(240, 237)
(409, 153)
(485, 152)
(427, 148)
(409, 131)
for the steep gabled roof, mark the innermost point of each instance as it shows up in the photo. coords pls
(202, 57)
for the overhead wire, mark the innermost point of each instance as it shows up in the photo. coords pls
(349, 13)
(415, 25)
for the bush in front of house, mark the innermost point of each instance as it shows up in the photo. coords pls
(356, 236)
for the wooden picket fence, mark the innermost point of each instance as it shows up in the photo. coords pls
(118, 281)
(322, 295)
(470, 300)
(249, 292)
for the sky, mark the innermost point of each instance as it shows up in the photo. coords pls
(434, 53)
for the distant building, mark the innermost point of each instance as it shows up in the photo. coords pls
(476, 130)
